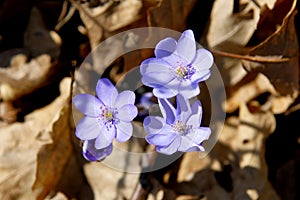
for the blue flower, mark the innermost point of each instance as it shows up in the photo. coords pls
(90, 153)
(177, 67)
(108, 116)
(179, 129)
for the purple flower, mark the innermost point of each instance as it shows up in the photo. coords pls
(90, 153)
(179, 129)
(108, 116)
(177, 67)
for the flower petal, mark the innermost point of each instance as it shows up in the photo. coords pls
(157, 79)
(164, 92)
(153, 124)
(196, 116)
(183, 108)
(186, 143)
(90, 153)
(125, 97)
(105, 137)
(154, 65)
(165, 47)
(199, 135)
(161, 140)
(188, 89)
(88, 128)
(200, 76)
(87, 104)
(186, 46)
(168, 111)
(106, 91)
(127, 112)
(124, 131)
(193, 140)
(172, 148)
(203, 60)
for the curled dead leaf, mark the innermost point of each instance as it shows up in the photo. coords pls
(284, 75)
(53, 157)
(20, 143)
(21, 78)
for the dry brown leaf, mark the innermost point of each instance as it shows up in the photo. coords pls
(230, 32)
(270, 19)
(18, 79)
(38, 39)
(20, 143)
(248, 91)
(170, 14)
(53, 157)
(109, 17)
(284, 76)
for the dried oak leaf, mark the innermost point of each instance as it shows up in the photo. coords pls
(20, 143)
(230, 32)
(283, 43)
(170, 14)
(22, 78)
(270, 19)
(54, 157)
(108, 17)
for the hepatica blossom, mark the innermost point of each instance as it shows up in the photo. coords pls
(107, 117)
(179, 129)
(177, 68)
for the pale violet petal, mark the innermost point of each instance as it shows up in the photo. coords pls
(175, 61)
(199, 135)
(172, 148)
(193, 140)
(127, 113)
(196, 148)
(90, 153)
(87, 104)
(155, 79)
(125, 97)
(188, 90)
(203, 60)
(153, 124)
(168, 111)
(164, 92)
(106, 91)
(154, 65)
(183, 108)
(200, 76)
(105, 137)
(196, 116)
(163, 139)
(186, 46)
(124, 131)
(186, 143)
(88, 128)
(165, 47)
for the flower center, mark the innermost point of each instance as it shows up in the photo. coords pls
(107, 116)
(180, 127)
(184, 72)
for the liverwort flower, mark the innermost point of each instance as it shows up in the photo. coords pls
(177, 67)
(90, 152)
(108, 117)
(179, 129)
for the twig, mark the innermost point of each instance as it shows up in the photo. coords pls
(80, 8)
(261, 59)
(63, 19)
